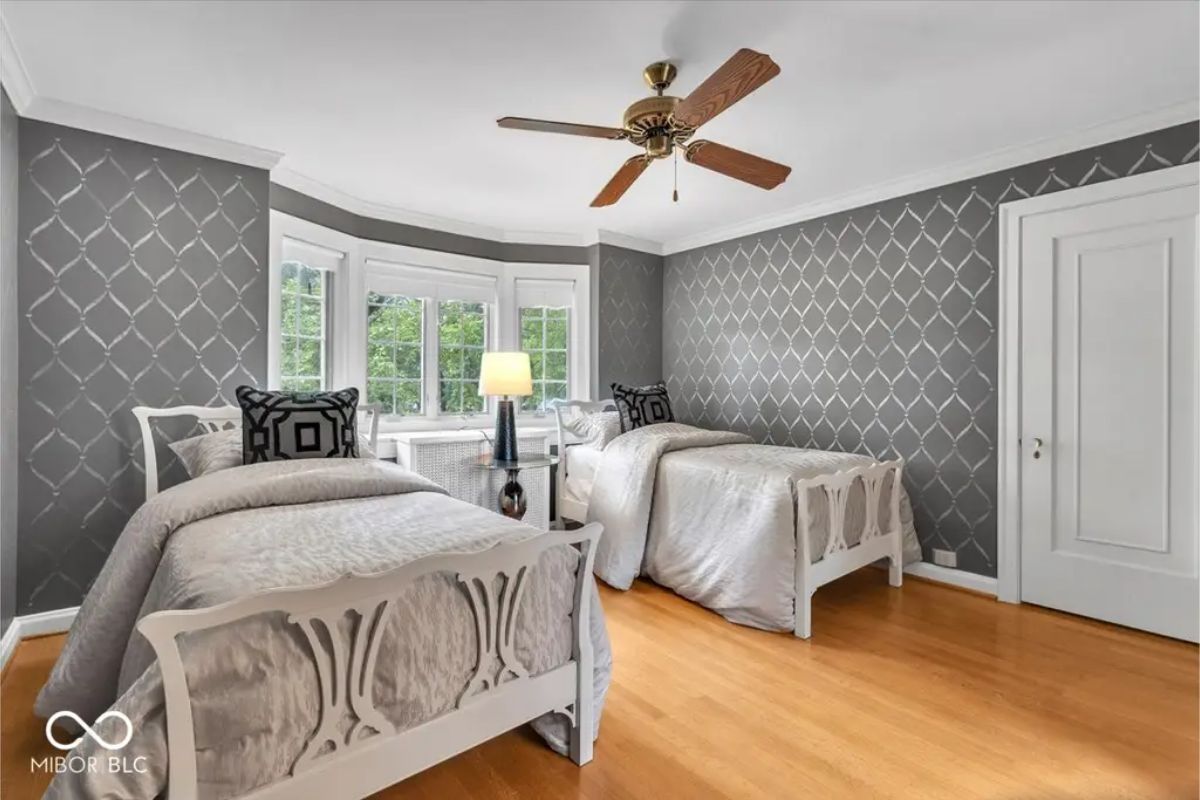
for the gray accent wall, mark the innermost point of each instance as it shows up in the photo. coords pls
(142, 281)
(875, 331)
(289, 201)
(629, 319)
(9, 170)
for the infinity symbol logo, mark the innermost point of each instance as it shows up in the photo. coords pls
(88, 730)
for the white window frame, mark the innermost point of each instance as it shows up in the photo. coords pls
(333, 252)
(360, 265)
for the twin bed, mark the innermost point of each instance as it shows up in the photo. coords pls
(327, 627)
(748, 530)
(409, 627)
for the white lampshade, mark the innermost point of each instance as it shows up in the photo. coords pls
(505, 374)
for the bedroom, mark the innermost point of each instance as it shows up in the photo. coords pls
(786, 421)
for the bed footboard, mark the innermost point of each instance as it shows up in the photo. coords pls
(371, 755)
(879, 538)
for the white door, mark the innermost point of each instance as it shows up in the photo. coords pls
(1108, 404)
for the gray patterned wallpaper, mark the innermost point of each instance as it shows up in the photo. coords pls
(874, 331)
(142, 281)
(629, 291)
(9, 170)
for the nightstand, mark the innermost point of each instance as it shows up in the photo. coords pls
(451, 460)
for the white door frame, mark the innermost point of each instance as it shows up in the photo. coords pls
(1008, 447)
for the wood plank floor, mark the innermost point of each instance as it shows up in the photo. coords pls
(925, 692)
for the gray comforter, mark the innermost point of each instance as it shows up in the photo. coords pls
(254, 689)
(713, 517)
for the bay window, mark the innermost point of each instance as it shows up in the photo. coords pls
(409, 327)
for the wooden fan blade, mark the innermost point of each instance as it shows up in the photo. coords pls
(733, 80)
(571, 128)
(626, 175)
(736, 164)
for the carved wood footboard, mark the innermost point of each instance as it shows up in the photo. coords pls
(879, 538)
(371, 754)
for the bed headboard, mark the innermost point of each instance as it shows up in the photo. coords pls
(213, 419)
(585, 406)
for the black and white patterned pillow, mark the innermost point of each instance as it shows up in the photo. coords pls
(279, 426)
(639, 406)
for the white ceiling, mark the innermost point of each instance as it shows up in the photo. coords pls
(394, 103)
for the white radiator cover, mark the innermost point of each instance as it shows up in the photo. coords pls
(448, 459)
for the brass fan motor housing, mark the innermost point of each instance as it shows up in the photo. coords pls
(648, 124)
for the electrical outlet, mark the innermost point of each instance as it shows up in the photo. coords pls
(945, 558)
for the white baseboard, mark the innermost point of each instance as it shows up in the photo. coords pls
(951, 577)
(31, 625)
(954, 577)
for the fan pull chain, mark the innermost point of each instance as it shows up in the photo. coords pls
(675, 191)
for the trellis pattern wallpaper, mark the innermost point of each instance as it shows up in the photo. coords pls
(630, 286)
(142, 281)
(874, 331)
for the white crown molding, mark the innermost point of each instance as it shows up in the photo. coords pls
(93, 119)
(629, 242)
(30, 625)
(12, 72)
(1005, 158)
(284, 176)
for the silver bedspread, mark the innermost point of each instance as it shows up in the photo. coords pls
(713, 517)
(253, 684)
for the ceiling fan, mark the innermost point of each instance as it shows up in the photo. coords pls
(661, 123)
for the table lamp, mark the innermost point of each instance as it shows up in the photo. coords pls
(505, 375)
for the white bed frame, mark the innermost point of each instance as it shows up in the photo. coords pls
(499, 696)
(840, 558)
(372, 755)
(218, 418)
(564, 507)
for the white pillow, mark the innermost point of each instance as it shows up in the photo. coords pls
(596, 429)
(210, 452)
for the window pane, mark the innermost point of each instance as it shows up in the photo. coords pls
(450, 362)
(394, 346)
(287, 356)
(308, 358)
(381, 392)
(408, 397)
(381, 361)
(531, 330)
(472, 402)
(408, 361)
(474, 329)
(451, 397)
(408, 319)
(556, 334)
(545, 335)
(462, 337)
(381, 323)
(303, 347)
(556, 366)
(310, 316)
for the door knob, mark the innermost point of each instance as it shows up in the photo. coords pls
(1037, 447)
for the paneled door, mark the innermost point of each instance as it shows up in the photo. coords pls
(1108, 428)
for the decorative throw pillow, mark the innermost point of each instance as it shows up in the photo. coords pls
(209, 452)
(596, 429)
(639, 406)
(278, 426)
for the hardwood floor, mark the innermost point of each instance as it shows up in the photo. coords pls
(925, 692)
